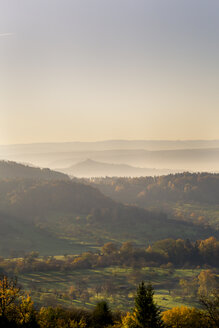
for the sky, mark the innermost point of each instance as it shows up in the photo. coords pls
(90, 70)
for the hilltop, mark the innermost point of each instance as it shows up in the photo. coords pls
(78, 214)
(13, 170)
(91, 168)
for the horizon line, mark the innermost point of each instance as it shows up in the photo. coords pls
(109, 140)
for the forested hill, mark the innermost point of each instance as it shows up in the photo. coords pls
(13, 170)
(186, 187)
(69, 210)
(31, 198)
(32, 214)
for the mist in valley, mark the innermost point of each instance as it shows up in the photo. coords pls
(119, 158)
(109, 164)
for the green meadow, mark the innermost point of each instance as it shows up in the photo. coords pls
(115, 284)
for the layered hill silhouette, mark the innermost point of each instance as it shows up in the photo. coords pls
(191, 155)
(13, 170)
(91, 168)
(55, 216)
(39, 148)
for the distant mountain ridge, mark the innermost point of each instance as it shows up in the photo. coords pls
(107, 145)
(194, 159)
(91, 168)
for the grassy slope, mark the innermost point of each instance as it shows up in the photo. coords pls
(19, 237)
(78, 229)
(123, 285)
(53, 218)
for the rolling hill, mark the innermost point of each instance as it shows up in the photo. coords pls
(190, 196)
(91, 168)
(13, 170)
(57, 217)
(186, 186)
(19, 237)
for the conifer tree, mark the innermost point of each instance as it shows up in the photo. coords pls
(146, 312)
(102, 316)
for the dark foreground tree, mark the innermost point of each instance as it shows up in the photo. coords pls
(101, 316)
(146, 313)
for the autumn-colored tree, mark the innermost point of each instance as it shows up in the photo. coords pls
(15, 309)
(184, 317)
(189, 287)
(127, 248)
(57, 317)
(109, 249)
(26, 313)
(209, 250)
(207, 282)
(9, 293)
(128, 321)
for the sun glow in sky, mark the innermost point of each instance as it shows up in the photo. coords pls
(108, 69)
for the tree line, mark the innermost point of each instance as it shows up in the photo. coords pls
(18, 311)
(167, 252)
(189, 187)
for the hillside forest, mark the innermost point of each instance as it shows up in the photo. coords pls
(71, 249)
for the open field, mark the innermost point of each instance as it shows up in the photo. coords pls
(116, 285)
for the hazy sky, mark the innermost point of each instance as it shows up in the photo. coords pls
(74, 70)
